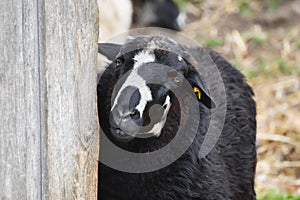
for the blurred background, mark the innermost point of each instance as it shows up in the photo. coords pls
(262, 39)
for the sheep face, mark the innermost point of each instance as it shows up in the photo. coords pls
(148, 71)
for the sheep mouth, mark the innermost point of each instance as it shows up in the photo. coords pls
(120, 135)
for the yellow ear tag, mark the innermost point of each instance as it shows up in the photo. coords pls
(197, 92)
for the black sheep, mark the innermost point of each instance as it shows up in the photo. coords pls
(158, 13)
(226, 172)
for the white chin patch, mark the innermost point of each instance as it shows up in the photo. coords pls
(156, 130)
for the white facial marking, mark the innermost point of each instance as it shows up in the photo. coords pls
(167, 102)
(135, 80)
(156, 130)
(143, 57)
(179, 58)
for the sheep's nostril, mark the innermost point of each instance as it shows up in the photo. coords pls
(134, 113)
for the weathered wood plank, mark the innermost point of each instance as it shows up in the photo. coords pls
(20, 174)
(47, 99)
(71, 52)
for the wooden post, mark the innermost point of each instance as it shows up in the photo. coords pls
(48, 56)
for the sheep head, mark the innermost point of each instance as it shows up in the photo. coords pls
(148, 70)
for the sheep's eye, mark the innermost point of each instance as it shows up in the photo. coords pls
(119, 62)
(177, 79)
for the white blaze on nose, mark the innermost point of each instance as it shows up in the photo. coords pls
(135, 80)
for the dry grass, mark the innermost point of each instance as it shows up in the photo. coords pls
(265, 46)
(278, 133)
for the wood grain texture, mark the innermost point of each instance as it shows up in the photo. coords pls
(71, 52)
(20, 169)
(48, 113)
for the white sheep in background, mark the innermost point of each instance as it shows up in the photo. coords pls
(114, 17)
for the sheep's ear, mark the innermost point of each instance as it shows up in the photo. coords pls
(109, 50)
(199, 88)
(196, 80)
